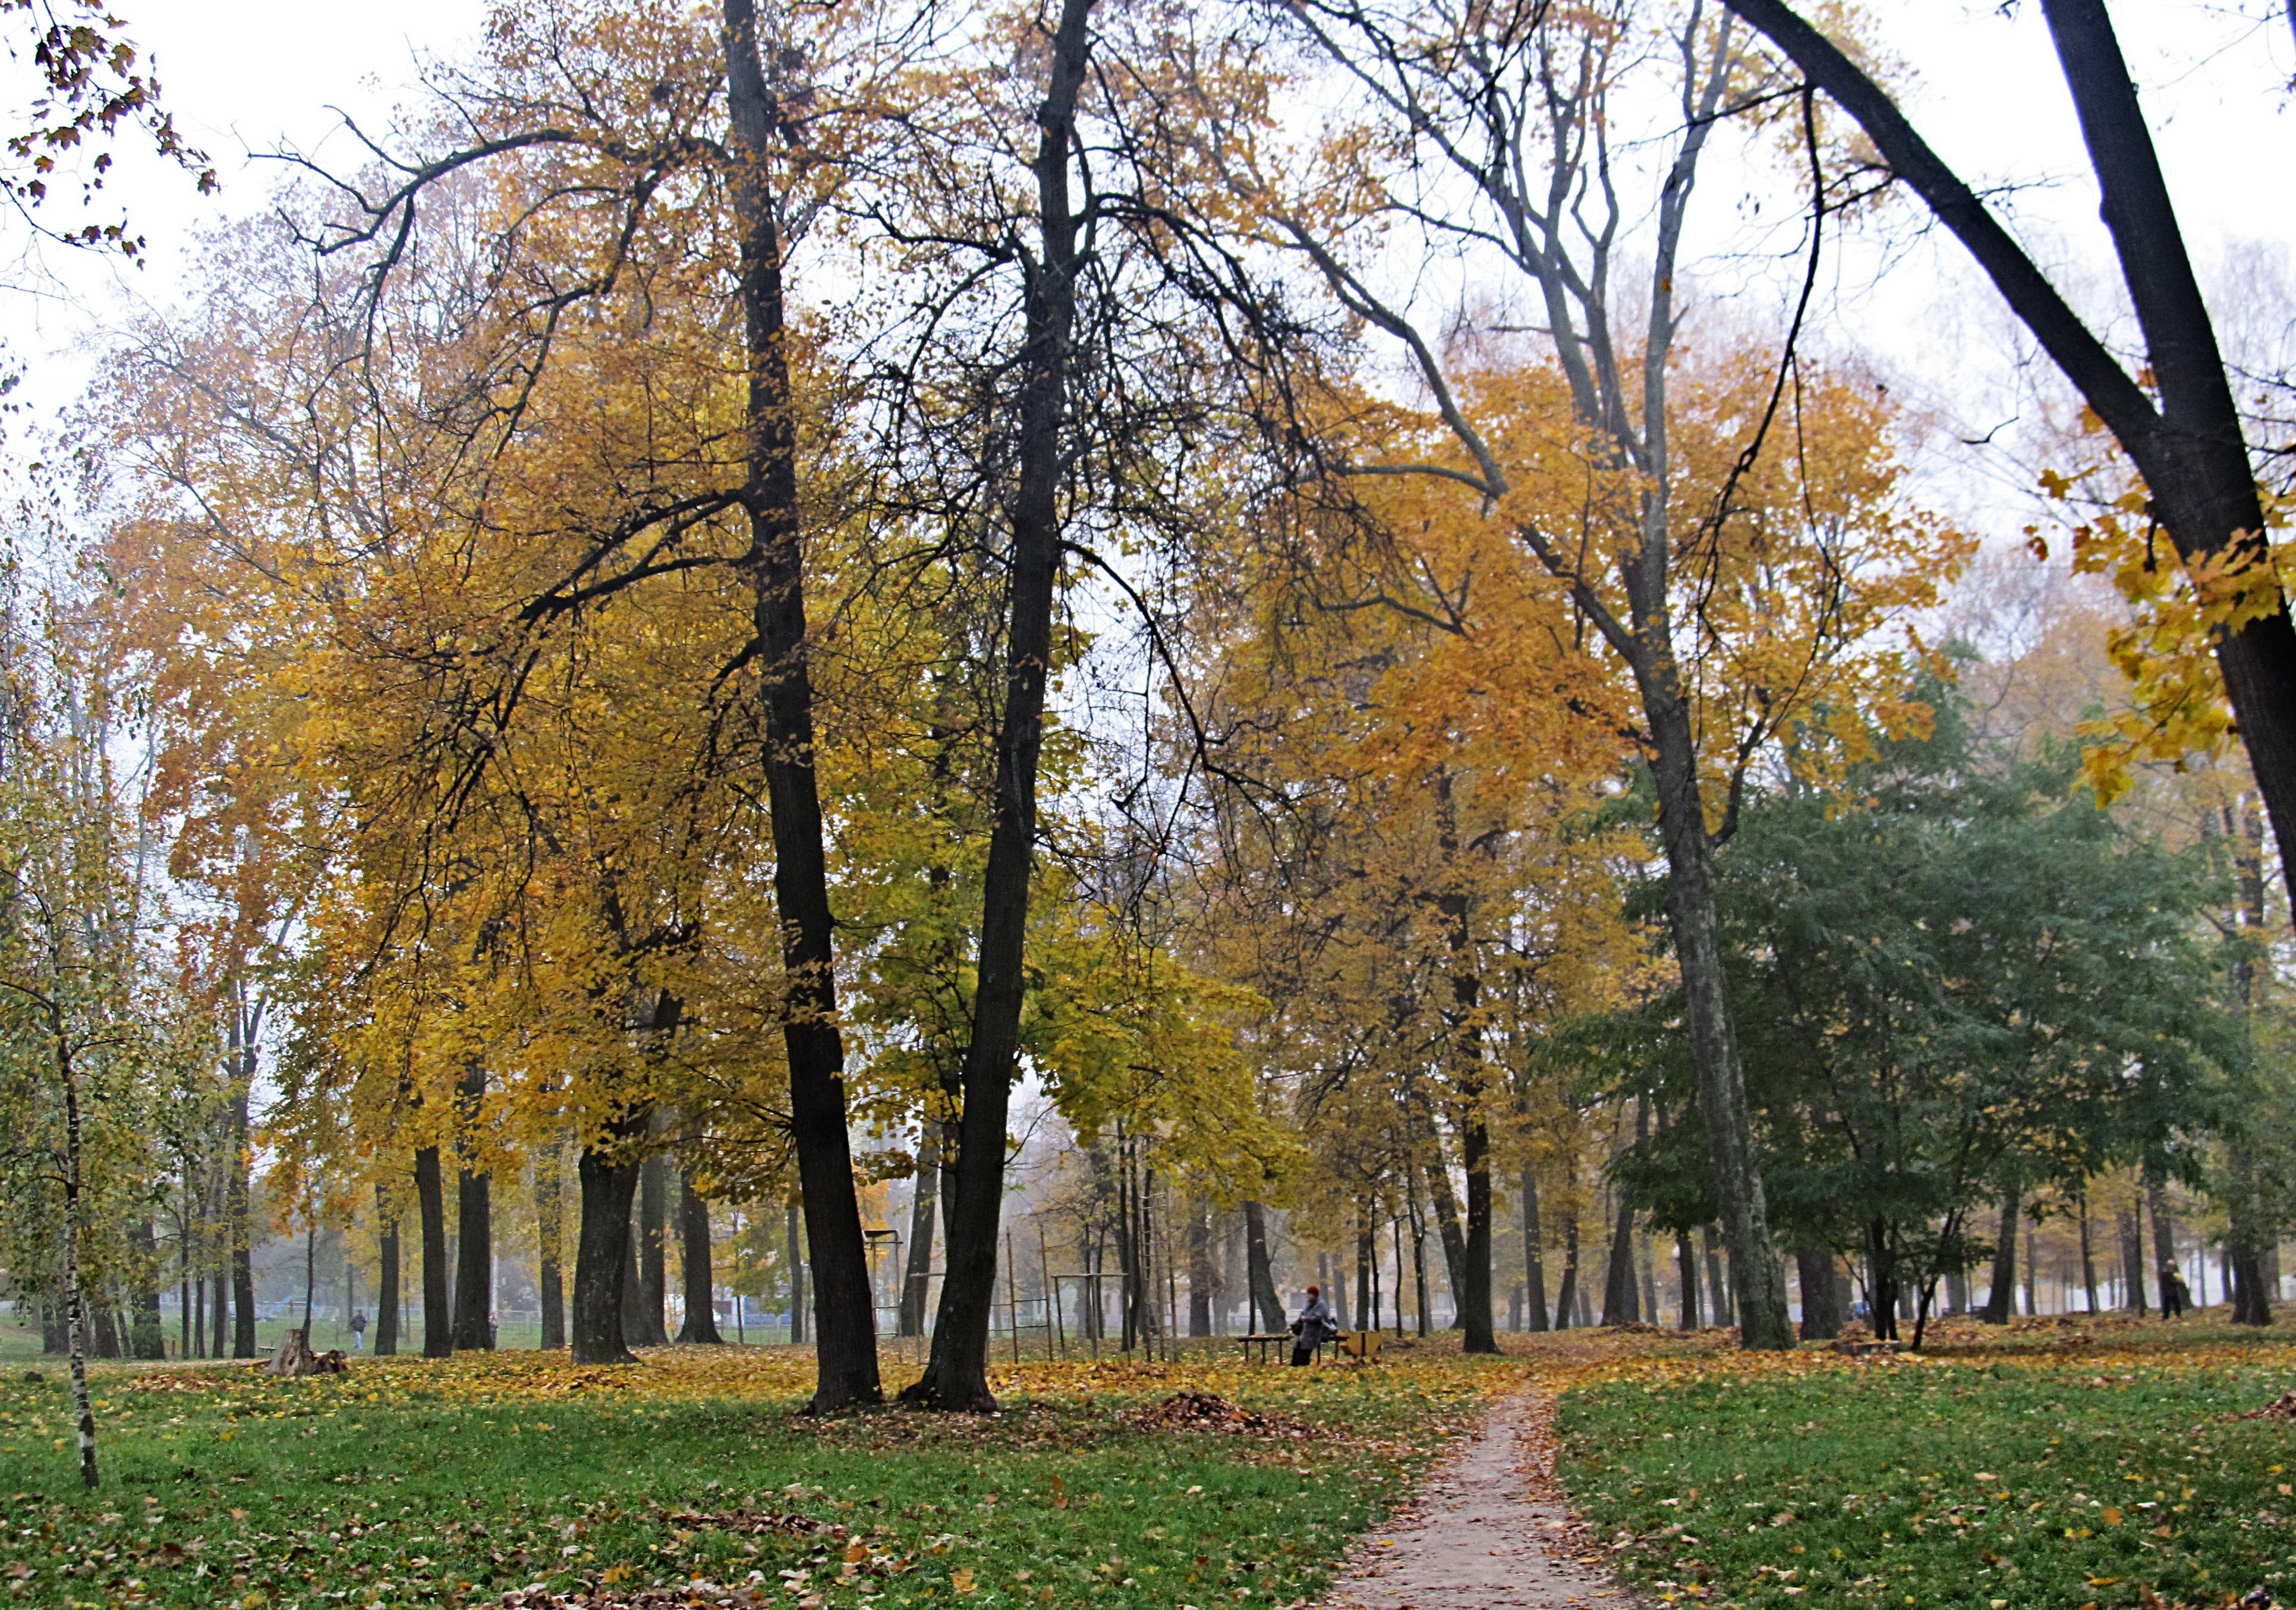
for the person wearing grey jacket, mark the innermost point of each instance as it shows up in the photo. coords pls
(1316, 1325)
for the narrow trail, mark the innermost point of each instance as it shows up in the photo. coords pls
(1487, 1530)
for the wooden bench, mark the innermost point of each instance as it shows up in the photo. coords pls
(1263, 1343)
(1360, 1346)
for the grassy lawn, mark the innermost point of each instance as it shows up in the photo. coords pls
(2095, 1464)
(413, 1482)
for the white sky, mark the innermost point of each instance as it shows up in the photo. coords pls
(244, 76)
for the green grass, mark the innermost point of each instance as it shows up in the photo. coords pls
(2114, 1472)
(407, 1482)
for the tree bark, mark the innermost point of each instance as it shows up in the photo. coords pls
(1259, 1271)
(1534, 1252)
(2164, 1223)
(1686, 1279)
(700, 1328)
(431, 1200)
(550, 1240)
(845, 1310)
(796, 1271)
(1619, 1276)
(146, 1339)
(606, 1177)
(236, 1186)
(386, 1296)
(652, 1295)
(1999, 1300)
(924, 1206)
(1717, 1288)
(475, 1225)
(1566, 1294)
(956, 1373)
(2132, 1260)
(1199, 1268)
(1820, 1293)
(2190, 448)
(75, 1293)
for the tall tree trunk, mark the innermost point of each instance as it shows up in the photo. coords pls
(1534, 1252)
(846, 1372)
(1566, 1296)
(1999, 1302)
(2089, 1260)
(1685, 1281)
(474, 1222)
(1471, 1265)
(75, 1292)
(1756, 1275)
(1259, 1271)
(430, 1201)
(1449, 1235)
(386, 1296)
(237, 1217)
(652, 1296)
(1820, 1293)
(606, 1177)
(956, 1373)
(796, 1271)
(1619, 1276)
(146, 1339)
(1619, 1280)
(1366, 1268)
(2248, 1235)
(2164, 1223)
(701, 1325)
(1882, 1284)
(2132, 1260)
(1200, 1266)
(550, 1240)
(1717, 1289)
(916, 1280)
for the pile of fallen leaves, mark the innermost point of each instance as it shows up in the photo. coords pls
(1208, 1411)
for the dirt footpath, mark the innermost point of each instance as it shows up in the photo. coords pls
(1487, 1531)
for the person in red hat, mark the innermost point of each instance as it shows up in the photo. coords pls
(1316, 1325)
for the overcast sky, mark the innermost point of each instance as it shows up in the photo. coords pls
(244, 76)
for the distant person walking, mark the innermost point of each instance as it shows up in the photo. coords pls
(1315, 1326)
(359, 1328)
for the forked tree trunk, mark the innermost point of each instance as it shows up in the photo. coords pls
(607, 1177)
(431, 1203)
(701, 1324)
(844, 1305)
(956, 1373)
(475, 1224)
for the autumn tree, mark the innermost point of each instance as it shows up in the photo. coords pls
(2176, 418)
